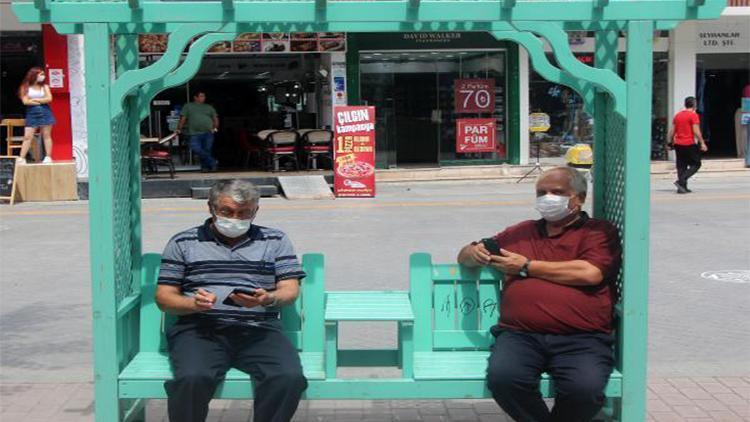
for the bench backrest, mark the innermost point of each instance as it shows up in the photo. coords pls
(454, 306)
(302, 322)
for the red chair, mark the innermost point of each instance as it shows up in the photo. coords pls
(282, 144)
(317, 144)
(153, 155)
(251, 147)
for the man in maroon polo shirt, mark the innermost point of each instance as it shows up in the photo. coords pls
(556, 307)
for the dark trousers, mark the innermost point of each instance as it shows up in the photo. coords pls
(203, 144)
(201, 355)
(688, 162)
(579, 365)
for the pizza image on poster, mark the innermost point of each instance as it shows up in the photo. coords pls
(354, 151)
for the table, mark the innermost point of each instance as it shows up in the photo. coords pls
(369, 306)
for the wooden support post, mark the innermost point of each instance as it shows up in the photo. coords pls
(634, 354)
(101, 209)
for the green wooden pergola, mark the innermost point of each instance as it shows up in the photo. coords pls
(117, 103)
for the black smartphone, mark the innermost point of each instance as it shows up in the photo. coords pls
(491, 245)
(228, 301)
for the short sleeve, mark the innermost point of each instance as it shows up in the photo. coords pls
(695, 119)
(213, 111)
(185, 110)
(601, 248)
(285, 262)
(172, 270)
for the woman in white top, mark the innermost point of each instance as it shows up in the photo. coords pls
(36, 96)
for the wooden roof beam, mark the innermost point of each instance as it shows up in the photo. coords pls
(361, 11)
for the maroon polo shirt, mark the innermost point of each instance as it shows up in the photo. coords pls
(540, 306)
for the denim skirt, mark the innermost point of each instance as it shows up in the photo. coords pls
(39, 115)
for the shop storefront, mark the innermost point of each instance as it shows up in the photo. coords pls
(441, 98)
(711, 61)
(257, 83)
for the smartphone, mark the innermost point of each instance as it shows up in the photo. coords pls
(491, 245)
(244, 290)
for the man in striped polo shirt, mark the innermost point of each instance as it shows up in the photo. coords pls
(218, 326)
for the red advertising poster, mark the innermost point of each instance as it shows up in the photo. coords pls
(474, 95)
(354, 151)
(475, 135)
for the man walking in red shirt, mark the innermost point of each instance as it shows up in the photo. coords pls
(683, 135)
(556, 307)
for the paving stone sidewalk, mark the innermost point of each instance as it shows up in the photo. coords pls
(717, 399)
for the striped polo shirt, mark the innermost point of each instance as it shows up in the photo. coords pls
(196, 258)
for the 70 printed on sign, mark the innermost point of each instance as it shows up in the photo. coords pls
(475, 135)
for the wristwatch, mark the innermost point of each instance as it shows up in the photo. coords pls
(274, 302)
(524, 271)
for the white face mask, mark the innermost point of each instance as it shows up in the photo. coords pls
(232, 227)
(553, 207)
(40, 79)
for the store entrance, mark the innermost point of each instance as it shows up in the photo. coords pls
(721, 78)
(413, 92)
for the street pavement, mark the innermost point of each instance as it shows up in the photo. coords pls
(699, 341)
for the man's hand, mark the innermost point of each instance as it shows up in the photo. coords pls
(480, 254)
(260, 298)
(704, 147)
(508, 262)
(204, 300)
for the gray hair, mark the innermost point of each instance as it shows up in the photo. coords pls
(578, 181)
(241, 192)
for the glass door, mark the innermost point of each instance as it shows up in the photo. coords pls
(413, 92)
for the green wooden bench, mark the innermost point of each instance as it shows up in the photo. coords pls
(454, 308)
(443, 337)
(144, 375)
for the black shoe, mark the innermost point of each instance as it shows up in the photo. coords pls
(680, 188)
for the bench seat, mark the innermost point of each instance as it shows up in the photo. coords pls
(145, 374)
(472, 365)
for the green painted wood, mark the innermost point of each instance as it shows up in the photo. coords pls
(489, 304)
(634, 330)
(133, 79)
(363, 11)
(185, 72)
(406, 348)
(331, 348)
(101, 210)
(467, 305)
(313, 296)
(367, 357)
(444, 299)
(452, 272)
(462, 339)
(151, 315)
(602, 78)
(357, 389)
(155, 366)
(420, 293)
(605, 57)
(322, 26)
(368, 306)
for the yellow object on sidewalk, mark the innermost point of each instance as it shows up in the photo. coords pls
(580, 155)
